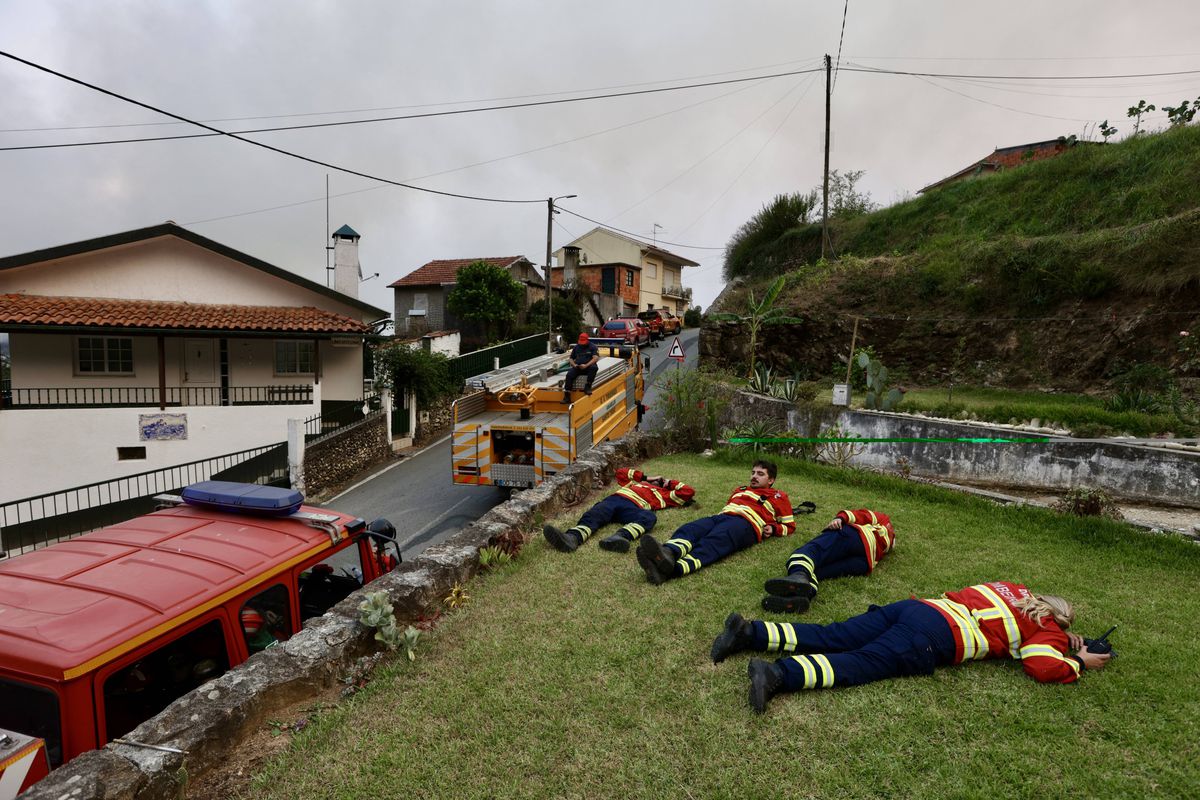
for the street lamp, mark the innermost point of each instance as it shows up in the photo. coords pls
(549, 294)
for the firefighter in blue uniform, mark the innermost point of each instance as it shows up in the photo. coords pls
(852, 544)
(633, 506)
(584, 357)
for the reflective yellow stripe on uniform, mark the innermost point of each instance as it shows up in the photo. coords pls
(682, 545)
(826, 669)
(1047, 651)
(975, 645)
(689, 564)
(633, 496)
(774, 632)
(746, 513)
(869, 538)
(849, 515)
(1002, 612)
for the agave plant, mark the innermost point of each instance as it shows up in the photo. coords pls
(762, 379)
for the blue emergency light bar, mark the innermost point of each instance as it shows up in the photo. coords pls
(243, 498)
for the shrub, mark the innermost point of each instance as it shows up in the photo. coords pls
(1087, 502)
(691, 401)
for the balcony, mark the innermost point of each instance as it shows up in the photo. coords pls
(678, 292)
(149, 396)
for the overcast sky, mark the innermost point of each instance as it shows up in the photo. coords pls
(697, 162)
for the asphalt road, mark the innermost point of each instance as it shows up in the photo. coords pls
(418, 497)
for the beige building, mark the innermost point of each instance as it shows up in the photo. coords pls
(661, 274)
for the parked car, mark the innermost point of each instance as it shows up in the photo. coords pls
(663, 321)
(655, 321)
(630, 330)
(102, 632)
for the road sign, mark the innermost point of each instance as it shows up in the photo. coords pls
(676, 351)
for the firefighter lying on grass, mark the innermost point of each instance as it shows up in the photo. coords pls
(851, 544)
(752, 513)
(911, 637)
(633, 506)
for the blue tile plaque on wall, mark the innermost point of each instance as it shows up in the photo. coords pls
(162, 427)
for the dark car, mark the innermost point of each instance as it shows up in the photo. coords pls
(629, 330)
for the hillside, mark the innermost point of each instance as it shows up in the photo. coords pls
(1058, 273)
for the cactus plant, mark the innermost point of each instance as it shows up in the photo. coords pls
(878, 397)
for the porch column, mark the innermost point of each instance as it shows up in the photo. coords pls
(317, 361)
(162, 374)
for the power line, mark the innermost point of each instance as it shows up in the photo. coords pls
(341, 123)
(879, 71)
(412, 105)
(273, 149)
(841, 38)
(635, 235)
(1025, 58)
(998, 105)
(486, 161)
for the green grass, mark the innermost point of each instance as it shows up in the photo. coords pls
(570, 676)
(1065, 410)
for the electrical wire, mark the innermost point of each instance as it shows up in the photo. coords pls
(879, 71)
(342, 123)
(262, 145)
(841, 38)
(413, 105)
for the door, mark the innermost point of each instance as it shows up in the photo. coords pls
(608, 280)
(198, 361)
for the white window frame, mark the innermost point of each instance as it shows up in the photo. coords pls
(107, 341)
(295, 345)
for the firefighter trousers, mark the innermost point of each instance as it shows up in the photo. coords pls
(830, 554)
(615, 508)
(709, 539)
(903, 638)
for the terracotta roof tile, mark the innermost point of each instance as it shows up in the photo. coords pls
(445, 270)
(102, 312)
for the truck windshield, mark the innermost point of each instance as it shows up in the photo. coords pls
(33, 711)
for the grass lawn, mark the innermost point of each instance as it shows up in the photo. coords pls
(570, 676)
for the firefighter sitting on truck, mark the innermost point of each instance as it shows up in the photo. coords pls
(583, 358)
(633, 505)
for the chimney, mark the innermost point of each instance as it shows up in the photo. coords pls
(347, 272)
(570, 264)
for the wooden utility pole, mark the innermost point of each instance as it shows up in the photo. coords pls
(825, 191)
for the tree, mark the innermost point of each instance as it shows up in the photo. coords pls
(425, 374)
(845, 201)
(755, 247)
(1183, 113)
(1107, 130)
(759, 313)
(567, 319)
(486, 294)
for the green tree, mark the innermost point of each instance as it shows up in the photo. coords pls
(845, 200)
(759, 313)
(1107, 130)
(1137, 112)
(425, 374)
(759, 246)
(486, 294)
(567, 318)
(693, 317)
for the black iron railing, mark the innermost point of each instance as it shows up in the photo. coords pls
(34, 522)
(337, 416)
(148, 396)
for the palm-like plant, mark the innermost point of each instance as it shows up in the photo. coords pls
(759, 313)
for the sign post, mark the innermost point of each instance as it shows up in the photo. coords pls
(676, 352)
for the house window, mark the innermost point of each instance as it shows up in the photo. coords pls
(104, 355)
(295, 357)
(629, 277)
(651, 269)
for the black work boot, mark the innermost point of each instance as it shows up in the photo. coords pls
(737, 636)
(655, 560)
(796, 604)
(765, 679)
(566, 542)
(798, 583)
(617, 543)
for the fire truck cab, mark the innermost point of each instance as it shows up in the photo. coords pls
(101, 632)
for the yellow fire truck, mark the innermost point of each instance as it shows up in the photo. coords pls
(516, 431)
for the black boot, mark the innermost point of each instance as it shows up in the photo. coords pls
(617, 543)
(566, 542)
(798, 583)
(737, 636)
(796, 604)
(765, 679)
(655, 560)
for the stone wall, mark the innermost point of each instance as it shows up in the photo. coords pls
(1129, 472)
(332, 461)
(211, 721)
(440, 419)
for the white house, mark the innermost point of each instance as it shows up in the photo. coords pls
(156, 347)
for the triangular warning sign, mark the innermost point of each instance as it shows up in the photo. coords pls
(676, 350)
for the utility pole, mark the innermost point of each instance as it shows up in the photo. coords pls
(825, 190)
(549, 294)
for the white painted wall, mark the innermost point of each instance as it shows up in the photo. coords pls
(448, 344)
(60, 448)
(166, 268)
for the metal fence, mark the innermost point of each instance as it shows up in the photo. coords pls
(35, 522)
(482, 361)
(148, 396)
(336, 417)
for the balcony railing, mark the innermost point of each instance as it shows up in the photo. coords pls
(681, 292)
(148, 396)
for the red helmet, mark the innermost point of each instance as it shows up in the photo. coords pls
(583, 338)
(252, 621)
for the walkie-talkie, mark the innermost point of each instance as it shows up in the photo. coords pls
(1102, 645)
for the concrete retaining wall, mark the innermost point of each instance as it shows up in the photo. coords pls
(1129, 472)
(209, 722)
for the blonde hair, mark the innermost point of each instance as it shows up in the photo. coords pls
(1038, 607)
